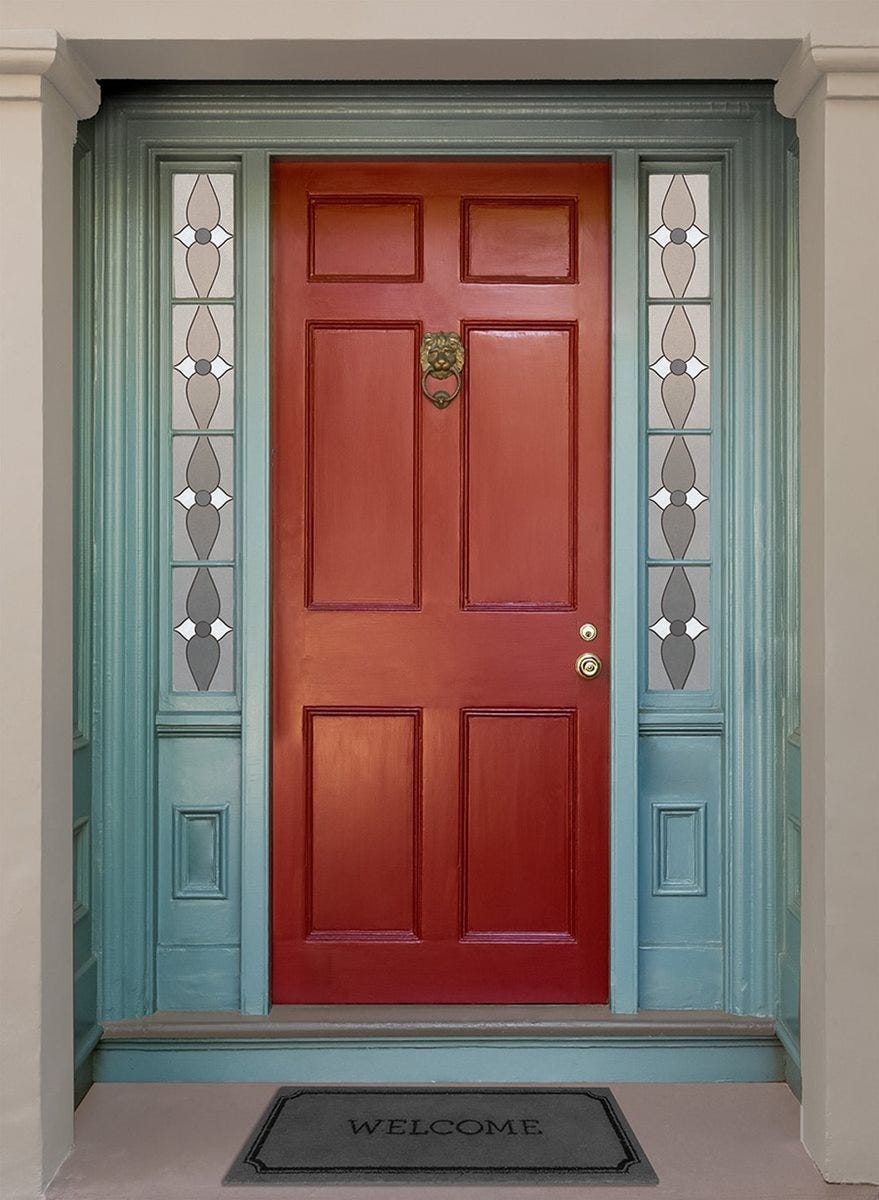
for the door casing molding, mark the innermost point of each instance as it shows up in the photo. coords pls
(141, 130)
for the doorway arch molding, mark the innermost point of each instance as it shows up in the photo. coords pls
(140, 135)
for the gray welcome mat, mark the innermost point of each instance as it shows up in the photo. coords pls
(442, 1135)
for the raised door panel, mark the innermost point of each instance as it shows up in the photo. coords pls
(363, 817)
(369, 238)
(520, 468)
(363, 485)
(521, 240)
(518, 825)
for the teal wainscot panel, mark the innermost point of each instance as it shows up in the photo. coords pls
(681, 948)
(199, 876)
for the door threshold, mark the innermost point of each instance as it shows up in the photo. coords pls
(286, 1021)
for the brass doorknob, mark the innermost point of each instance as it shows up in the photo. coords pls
(587, 666)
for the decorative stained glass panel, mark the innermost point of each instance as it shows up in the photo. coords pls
(200, 443)
(678, 353)
(203, 349)
(202, 481)
(203, 629)
(679, 423)
(678, 607)
(204, 226)
(679, 247)
(678, 489)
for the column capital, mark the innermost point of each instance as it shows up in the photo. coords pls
(850, 72)
(27, 56)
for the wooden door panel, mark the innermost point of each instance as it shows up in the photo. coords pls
(527, 760)
(439, 820)
(363, 473)
(532, 240)
(372, 238)
(363, 786)
(520, 462)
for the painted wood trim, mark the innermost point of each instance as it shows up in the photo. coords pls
(789, 931)
(374, 1021)
(86, 1045)
(789, 388)
(625, 569)
(434, 1060)
(405, 120)
(255, 582)
(752, 448)
(124, 551)
(198, 724)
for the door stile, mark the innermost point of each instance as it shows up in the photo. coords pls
(255, 586)
(625, 560)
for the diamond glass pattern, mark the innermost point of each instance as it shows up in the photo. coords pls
(202, 466)
(203, 511)
(677, 615)
(678, 485)
(679, 386)
(203, 619)
(678, 256)
(203, 232)
(203, 353)
(678, 460)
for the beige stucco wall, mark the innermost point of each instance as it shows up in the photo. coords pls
(415, 39)
(36, 135)
(840, 642)
(603, 39)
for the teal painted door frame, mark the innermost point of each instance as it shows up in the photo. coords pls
(153, 747)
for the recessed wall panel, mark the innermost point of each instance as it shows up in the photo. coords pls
(678, 849)
(519, 468)
(519, 240)
(363, 467)
(518, 825)
(199, 852)
(363, 781)
(364, 237)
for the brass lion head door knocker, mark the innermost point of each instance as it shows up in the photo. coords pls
(442, 357)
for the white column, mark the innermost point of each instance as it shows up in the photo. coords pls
(42, 93)
(834, 94)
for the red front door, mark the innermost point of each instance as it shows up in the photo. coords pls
(440, 772)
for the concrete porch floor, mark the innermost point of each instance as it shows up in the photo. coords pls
(175, 1141)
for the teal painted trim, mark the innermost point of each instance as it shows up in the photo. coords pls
(662, 724)
(753, 447)
(125, 552)
(85, 1044)
(789, 827)
(793, 1073)
(789, 1040)
(682, 976)
(137, 128)
(255, 585)
(434, 1060)
(193, 975)
(198, 724)
(625, 470)
(83, 1078)
(682, 954)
